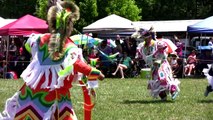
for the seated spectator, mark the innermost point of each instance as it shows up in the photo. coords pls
(6, 71)
(13, 48)
(22, 61)
(176, 64)
(103, 51)
(178, 72)
(190, 63)
(173, 62)
(123, 65)
(210, 43)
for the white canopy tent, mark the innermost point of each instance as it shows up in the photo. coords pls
(166, 26)
(4, 22)
(111, 23)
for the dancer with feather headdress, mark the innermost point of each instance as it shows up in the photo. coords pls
(56, 63)
(161, 83)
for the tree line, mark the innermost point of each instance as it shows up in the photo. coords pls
(135, 10)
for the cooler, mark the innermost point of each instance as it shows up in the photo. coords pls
(146, 73)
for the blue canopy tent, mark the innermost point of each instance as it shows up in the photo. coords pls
(202, 27)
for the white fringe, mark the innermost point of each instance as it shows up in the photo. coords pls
(50, 113)
(10, 109)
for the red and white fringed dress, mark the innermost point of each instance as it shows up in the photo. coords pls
(46, 92)
(162, 82)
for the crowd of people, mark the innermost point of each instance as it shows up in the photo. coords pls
(165, 67)
(13, 61)
(182, 65)
(190, 65)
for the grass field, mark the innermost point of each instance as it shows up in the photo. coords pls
(129, 100)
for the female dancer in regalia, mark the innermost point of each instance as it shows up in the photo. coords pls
(161, 82)
(56, 61)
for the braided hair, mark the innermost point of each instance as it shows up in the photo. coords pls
(60, 19)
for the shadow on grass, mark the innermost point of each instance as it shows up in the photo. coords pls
(205, 101)
(146, 101)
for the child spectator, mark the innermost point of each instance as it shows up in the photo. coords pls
(93, 57)
(191, 62)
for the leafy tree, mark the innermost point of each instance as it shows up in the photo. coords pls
(204, 8)
(88, 13)
(41, 9)
(135, 10)
(175, 9)
(148, 8)
(170, 10)
(124, 8)
(16, 8)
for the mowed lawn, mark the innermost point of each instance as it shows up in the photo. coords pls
(129, 99)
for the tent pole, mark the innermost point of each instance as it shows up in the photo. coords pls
(201, 40)
(184, 56)
(7, 52)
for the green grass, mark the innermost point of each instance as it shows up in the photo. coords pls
(129, 100)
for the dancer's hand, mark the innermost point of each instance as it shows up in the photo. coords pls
(101, 76)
